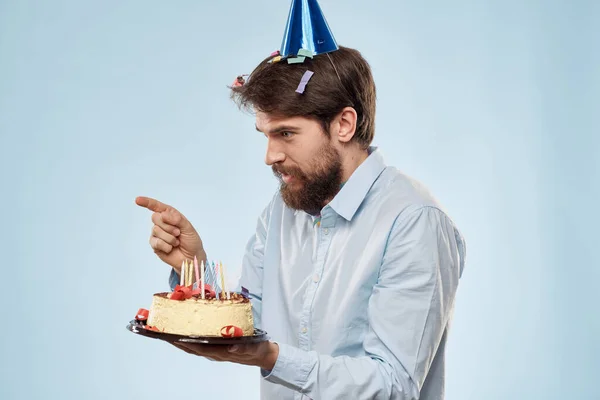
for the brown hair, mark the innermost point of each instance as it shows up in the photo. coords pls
(341, 79)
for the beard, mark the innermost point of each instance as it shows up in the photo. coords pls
(310, 191)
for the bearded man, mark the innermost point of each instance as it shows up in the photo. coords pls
(354, 266)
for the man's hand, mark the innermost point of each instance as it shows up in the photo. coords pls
(173, 237)
(263, 355)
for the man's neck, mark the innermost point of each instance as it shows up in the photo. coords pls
(349, 165)
(352, 162)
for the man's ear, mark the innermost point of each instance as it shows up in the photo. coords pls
(346, 124)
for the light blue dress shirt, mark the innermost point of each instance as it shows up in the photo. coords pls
(360, 304)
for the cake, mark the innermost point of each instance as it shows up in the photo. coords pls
(189, 312)
(194, 316)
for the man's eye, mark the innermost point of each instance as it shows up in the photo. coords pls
(286, 134)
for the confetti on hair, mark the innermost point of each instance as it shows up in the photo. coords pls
(239, 81)
(296, 60)
(305, 53)
(305, 78)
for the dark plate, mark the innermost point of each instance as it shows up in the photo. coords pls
(135, 327)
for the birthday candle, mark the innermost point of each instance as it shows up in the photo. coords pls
(202, 280)
(182, 273)
(197, 273)
(216, 280)
(222, 277)
(192, 274)
(187, 274)
(207, 274)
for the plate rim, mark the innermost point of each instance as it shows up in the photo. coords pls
(137, 328)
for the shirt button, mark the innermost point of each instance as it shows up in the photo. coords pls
(304, 330)
(326, 231)
(316, 278)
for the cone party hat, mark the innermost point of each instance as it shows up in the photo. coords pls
(307, 29)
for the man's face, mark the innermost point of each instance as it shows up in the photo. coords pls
(304, 159)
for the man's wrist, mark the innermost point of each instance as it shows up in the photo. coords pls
(271, 354)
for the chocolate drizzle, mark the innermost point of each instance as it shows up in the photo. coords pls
(234, 297)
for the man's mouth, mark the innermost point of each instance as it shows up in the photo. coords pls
(286, 178)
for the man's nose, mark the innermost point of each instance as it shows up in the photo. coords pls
(274, 154)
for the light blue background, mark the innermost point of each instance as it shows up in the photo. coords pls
(490, 104)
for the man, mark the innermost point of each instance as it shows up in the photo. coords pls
(353, 267)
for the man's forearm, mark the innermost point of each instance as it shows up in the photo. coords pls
(326, 377)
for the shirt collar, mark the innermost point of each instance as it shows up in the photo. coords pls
(354, 191)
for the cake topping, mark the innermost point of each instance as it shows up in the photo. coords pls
(231, 331)
(209, 292)
(142, 314)
(151, 328)
(186, 292)
(181, 293)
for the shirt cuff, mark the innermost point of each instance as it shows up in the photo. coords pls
(292, 367)
(173, 279)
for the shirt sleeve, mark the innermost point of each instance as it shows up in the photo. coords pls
(408, 311)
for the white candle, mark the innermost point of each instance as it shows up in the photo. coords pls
(190, 274)
(222, 270)
(182, 273)
(224, 279)
(197, 275)
(202, 279)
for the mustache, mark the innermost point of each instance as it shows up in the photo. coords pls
(278, 170)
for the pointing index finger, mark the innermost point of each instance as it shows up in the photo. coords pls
(151, 204)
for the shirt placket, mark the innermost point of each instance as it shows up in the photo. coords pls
(324, 233)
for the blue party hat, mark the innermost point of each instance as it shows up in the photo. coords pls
(306, 29)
